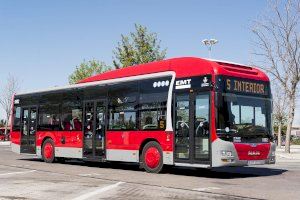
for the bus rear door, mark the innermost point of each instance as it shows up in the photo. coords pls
(94, 129)
(28, 129)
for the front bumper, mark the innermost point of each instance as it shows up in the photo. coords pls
(233, 159)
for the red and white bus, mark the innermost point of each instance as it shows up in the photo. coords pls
(4, 137)
(182, 111)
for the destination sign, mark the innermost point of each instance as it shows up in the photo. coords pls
(245, 86)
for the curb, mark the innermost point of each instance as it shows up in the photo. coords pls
(289, 156)
(5, 143)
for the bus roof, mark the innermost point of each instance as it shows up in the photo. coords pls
(184, 67)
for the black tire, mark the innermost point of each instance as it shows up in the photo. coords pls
(160, 164)
(48, 158)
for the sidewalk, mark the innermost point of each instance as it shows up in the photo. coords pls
(294, 155)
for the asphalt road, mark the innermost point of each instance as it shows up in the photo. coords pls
(25, 177)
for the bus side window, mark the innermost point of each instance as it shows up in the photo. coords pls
(49, 117)
(122, 106)
(71, 118)
(153, 103)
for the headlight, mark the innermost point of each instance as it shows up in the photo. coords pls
(273, 153)
(265, 139)
(226, 153)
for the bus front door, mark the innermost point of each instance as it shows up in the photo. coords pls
(192, 128)
(94, 129)
(28, 130)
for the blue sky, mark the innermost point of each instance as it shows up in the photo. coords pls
(42, 42)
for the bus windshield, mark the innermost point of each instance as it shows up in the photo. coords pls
(243, 118)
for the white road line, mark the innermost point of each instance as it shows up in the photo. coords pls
(13, 173)
(93, 174)
(4, 143)
(85, 174)
(98, 191)
(206, 189)
(20, 166)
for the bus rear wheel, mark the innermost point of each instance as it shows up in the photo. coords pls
(152, 157)
(48, 151)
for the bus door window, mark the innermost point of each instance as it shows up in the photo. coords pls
(182, 127)
(100, 128)
(32, 128)
(201, 125)
(32, 121)
(89, 115)
(25, 122)
(28, 130)
(88, 128)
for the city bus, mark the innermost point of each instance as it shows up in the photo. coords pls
(4, 136)
(187, 111)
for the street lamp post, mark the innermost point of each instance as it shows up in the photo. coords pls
(209, 43)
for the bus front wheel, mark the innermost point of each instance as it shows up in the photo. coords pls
(48, 151)
(152, 157)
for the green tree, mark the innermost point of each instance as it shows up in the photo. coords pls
(138, 47)
(87, 69)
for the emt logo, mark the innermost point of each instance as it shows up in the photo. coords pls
(183, 84)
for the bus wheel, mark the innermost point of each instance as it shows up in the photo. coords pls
(48, 151)
(152, 157)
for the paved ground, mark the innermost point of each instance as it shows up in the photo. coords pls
(294, 154)
(25, 177)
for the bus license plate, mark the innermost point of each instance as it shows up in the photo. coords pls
(256, 162)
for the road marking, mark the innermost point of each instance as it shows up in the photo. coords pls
(85, 174)
(98, 191)
(4, 143)
(93, 174)
(206, 189)
(13, 173)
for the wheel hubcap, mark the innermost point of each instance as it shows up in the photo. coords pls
(152, 157)
(48, 150)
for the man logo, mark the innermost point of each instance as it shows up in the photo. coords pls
(253, 145)
(253, 153)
